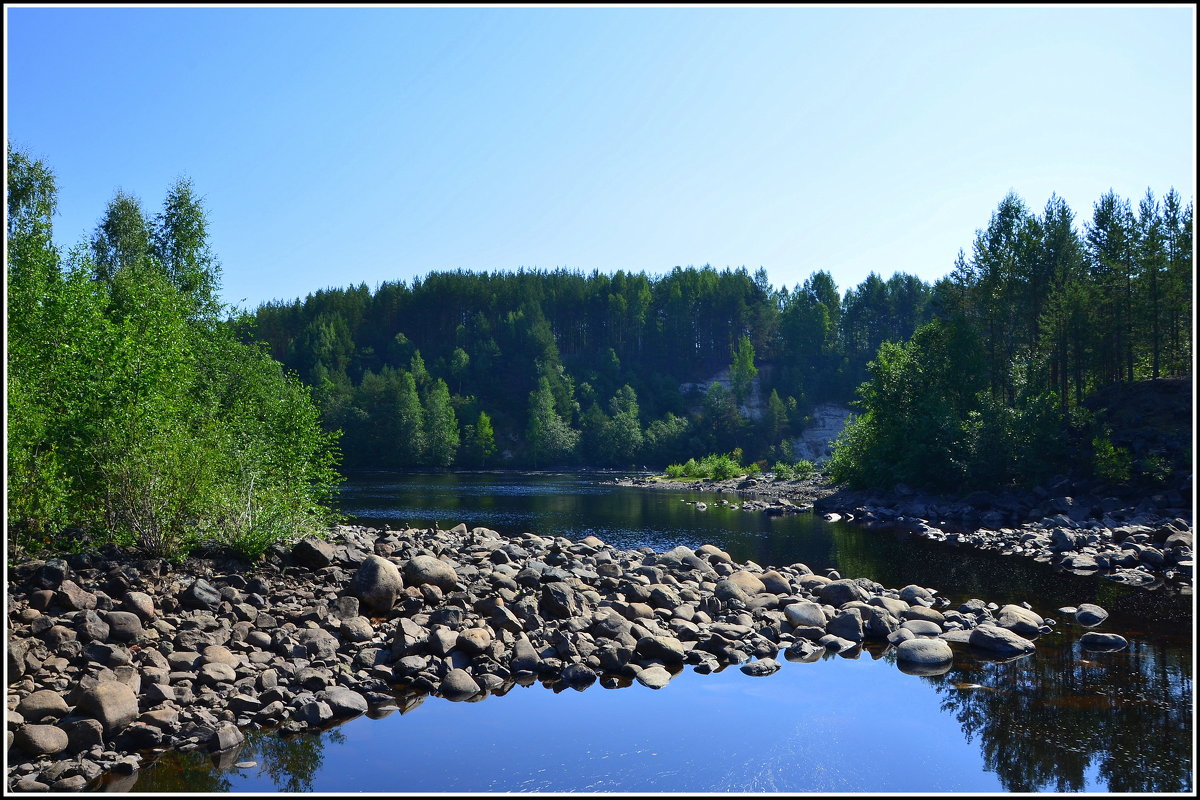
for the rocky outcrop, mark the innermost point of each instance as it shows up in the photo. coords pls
(217, 648)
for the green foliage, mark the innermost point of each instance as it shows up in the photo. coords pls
(441, 426)
(137, 419)
(1110, 462)
(742, 371)
(713, 466)
(550, 438)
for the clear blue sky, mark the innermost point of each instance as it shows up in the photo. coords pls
(335, 146)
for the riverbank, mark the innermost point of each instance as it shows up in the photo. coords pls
(114, 657)
(1090, 529)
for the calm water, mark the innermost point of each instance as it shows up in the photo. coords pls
(1060, 720)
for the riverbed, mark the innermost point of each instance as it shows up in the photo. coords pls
(1062, 719)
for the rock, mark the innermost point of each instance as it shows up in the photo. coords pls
(524, 657)
(91, 627)
(459, 685)
(376, 584)
(123, 626)
(313, 713)
(578, 675)
(200, 594)
(654, 677)
(1000, 641)
(41, 740)
(17, 650)
(313, 553)
(922, 627)
(320, 644)
(775, 583)
(804, 614)
(839, 592)
(847, 624)
(1019, 620)
(41, 704)
(911, 593)
(1089, 614)
(664, 648)
(429, 570)
(227, 736)
(216, 673)
(1102, 641)
(748, 582)
(139, 603)
(71, 596)
(111, 703)
(924, 651)
(761, 667)
(343, 702)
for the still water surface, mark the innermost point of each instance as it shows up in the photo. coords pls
(1060, 720)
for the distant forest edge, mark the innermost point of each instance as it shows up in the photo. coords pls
(140, 408)
(548, 368)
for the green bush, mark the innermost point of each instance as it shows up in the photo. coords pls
(1110, 462)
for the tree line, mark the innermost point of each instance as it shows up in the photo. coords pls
(1039, 316)
(135, 414)
(549, 368)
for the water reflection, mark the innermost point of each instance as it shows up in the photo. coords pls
(289, 764)
(1125, 716)
(1061, 719)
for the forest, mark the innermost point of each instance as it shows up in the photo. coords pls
(977, 379)
(142, 409)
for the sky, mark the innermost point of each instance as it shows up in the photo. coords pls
(334, 146)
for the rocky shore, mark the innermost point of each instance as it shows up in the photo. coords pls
(114, 657)
(1084, 528)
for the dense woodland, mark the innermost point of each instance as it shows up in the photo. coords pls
(140, 408)
(134, 414)
(555, 368)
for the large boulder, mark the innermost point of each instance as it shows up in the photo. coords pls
(312, 552)
(112, 703)
(1019, 620)
(1102, 641)
(459, 685)
(1090, 614)
(376, 584)
(426, 569)
(43, 703)
(1000, 641)
(664, 648)
(200, 594)
(343, 702)
(41, 740)
(924, 651)
(842, 591)
(748, 582)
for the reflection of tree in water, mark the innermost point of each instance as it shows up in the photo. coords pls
(291, 763)
(1042, 722)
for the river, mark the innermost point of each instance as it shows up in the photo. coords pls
(1060, 720)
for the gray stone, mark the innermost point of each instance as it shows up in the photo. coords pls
(112, 703)
(313, 553)
(838, 593)
(578, 675)
(761, 667)
(139, 603)
(1089, 614)
(91, 627)
(41, 704)
(1000, 641)
(911, 593)
(847, 624)
(41, 740)
(748, 582)
(319, 643)
(200, 594)
(922, 627)
(429, 570)
(1095, 641)
(524, 657)
(71, 596)
(804, 614)
(1019, 620)
(343, 702)
(924, 651)
(664, 648)
(459, 685)
(376, 584)
(654, 677)
(123, 626)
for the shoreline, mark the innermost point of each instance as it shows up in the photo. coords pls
(151, 657)
(1146, 543)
